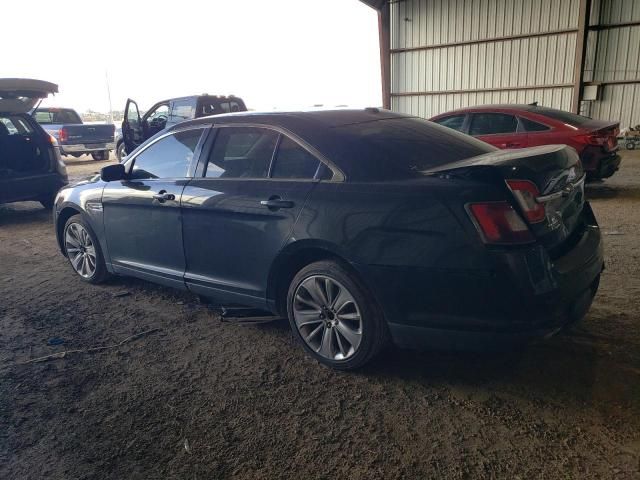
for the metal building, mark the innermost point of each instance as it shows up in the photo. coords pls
(576, 55)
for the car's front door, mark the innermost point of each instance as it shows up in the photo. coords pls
(132, 127)
(239, 214)
(155, 120)
(499, 129)
(142, 213)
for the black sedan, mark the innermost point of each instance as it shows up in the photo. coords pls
(361, 226)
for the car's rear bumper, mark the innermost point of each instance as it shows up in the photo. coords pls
(525, 295)
(599, 163)
(87, 147)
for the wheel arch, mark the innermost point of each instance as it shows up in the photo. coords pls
(65, 214)
(291, 260)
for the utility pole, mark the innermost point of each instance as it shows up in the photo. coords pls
(106, 74)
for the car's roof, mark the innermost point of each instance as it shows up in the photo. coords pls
(321, 117)
(500, 106)
(203, 95)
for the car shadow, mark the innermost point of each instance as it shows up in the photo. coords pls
(603, 191)
(23, 213)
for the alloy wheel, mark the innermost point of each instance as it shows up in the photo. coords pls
(327, 317)
(80, 250)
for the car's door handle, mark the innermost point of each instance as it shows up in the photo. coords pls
(162, 196)
(513, 145)
(275, 202)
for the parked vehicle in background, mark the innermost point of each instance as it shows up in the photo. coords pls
(520, 126)
(30, 163)
(74, 137)
(136, 129)
(357, 224)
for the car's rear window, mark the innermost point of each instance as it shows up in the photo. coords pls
(403, 147)
(562, 116)
(50, 116)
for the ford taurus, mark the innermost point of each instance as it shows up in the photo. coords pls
(360, 226)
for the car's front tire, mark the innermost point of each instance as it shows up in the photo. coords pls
(83, 250)
(333, 315)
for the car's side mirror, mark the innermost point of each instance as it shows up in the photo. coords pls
(111, 173)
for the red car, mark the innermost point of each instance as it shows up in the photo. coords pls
(519, 126)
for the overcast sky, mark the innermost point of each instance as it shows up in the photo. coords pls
(274, 54)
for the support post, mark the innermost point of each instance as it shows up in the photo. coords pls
(581, 44)
(384, 25)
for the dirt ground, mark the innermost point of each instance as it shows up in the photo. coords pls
(202, 399)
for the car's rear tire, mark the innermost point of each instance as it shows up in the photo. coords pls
(83, 250)
(334, 316)
(630, 145)
(102, 155)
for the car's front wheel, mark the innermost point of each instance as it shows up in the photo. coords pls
(83, 250)
(333, 315)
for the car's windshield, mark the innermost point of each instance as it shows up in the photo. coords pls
(56, 116)
(404, 147)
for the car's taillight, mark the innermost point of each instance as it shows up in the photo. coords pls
(526, 193)
(499, 223)
(63, 136)
(592, 139)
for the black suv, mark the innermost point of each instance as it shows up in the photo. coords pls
(137, 129)
(30, 163)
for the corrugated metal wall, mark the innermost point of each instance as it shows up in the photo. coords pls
(441, 77)
(447, 54)
(613, 55)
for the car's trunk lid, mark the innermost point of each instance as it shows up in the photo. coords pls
(602, 132)
(556, 172)
(20, 95)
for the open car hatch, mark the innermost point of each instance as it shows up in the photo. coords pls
(20, 95)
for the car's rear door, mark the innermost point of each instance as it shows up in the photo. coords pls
(498, 129)
(142, 213)
(240, 212)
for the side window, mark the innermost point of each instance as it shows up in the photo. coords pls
(454, 121)
(182, 110)
(293, 161)
(159, 116)
(531, 126)
(492, 123)
(167, 158)
(241, 152)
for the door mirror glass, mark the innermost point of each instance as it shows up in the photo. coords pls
(112, 173)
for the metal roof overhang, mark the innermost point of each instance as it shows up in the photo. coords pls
(377, 4)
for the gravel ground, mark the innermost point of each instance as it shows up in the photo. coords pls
(198, 398)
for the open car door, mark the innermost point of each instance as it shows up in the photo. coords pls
(20, 95)
(132, 131)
